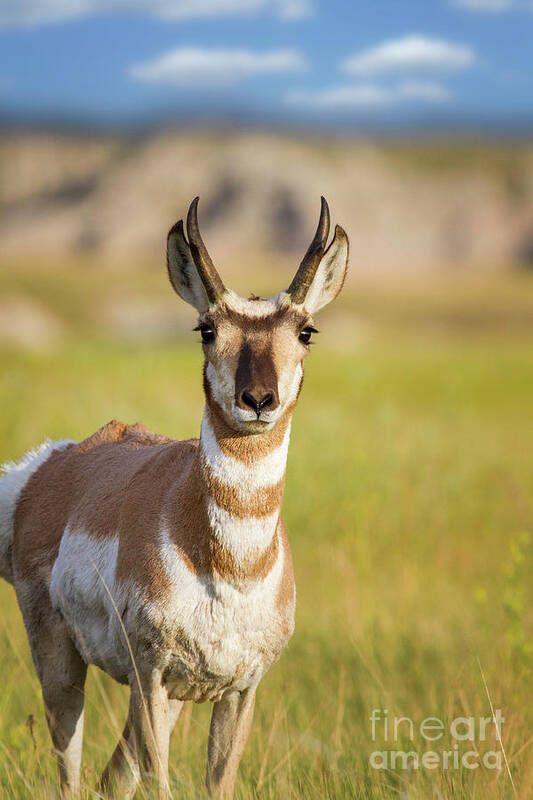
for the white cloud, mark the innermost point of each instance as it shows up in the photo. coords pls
(369, 96)
(294, 9)
(32, 12)
(188, 9)
(424, 90)
(410, 53)
(40, 12)
(493, 6)
(187, 66)
(342, 97)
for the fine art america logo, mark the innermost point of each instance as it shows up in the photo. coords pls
(459, 750)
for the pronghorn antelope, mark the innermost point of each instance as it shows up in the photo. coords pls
(165, 562)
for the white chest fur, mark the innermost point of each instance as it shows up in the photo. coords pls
(208, 633)
(211, 634)
(223, 635)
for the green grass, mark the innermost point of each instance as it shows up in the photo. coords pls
(409, 508)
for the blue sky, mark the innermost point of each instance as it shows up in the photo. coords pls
(395, 62)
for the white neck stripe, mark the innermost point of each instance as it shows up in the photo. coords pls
(243, 538)
(266, 471)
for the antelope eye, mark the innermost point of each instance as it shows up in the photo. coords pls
(305, 334)
(206, 332)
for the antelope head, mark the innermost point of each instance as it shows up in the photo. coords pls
(254, 349)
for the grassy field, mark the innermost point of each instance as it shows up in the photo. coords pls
(409, 507)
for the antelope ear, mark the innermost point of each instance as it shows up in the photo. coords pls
(182, 270)
(330, 275)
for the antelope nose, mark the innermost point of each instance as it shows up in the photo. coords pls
(257, 405)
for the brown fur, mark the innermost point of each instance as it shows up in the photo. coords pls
(286, 591)
(288, 316)
(126, 481)
(256, 375)
(260, 503)
(245, 448)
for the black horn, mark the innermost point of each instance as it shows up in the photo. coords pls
(307, 269)
(206, 269)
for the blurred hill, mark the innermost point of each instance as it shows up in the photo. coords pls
(408, 206)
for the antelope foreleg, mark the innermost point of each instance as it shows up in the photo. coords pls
(230, 727)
